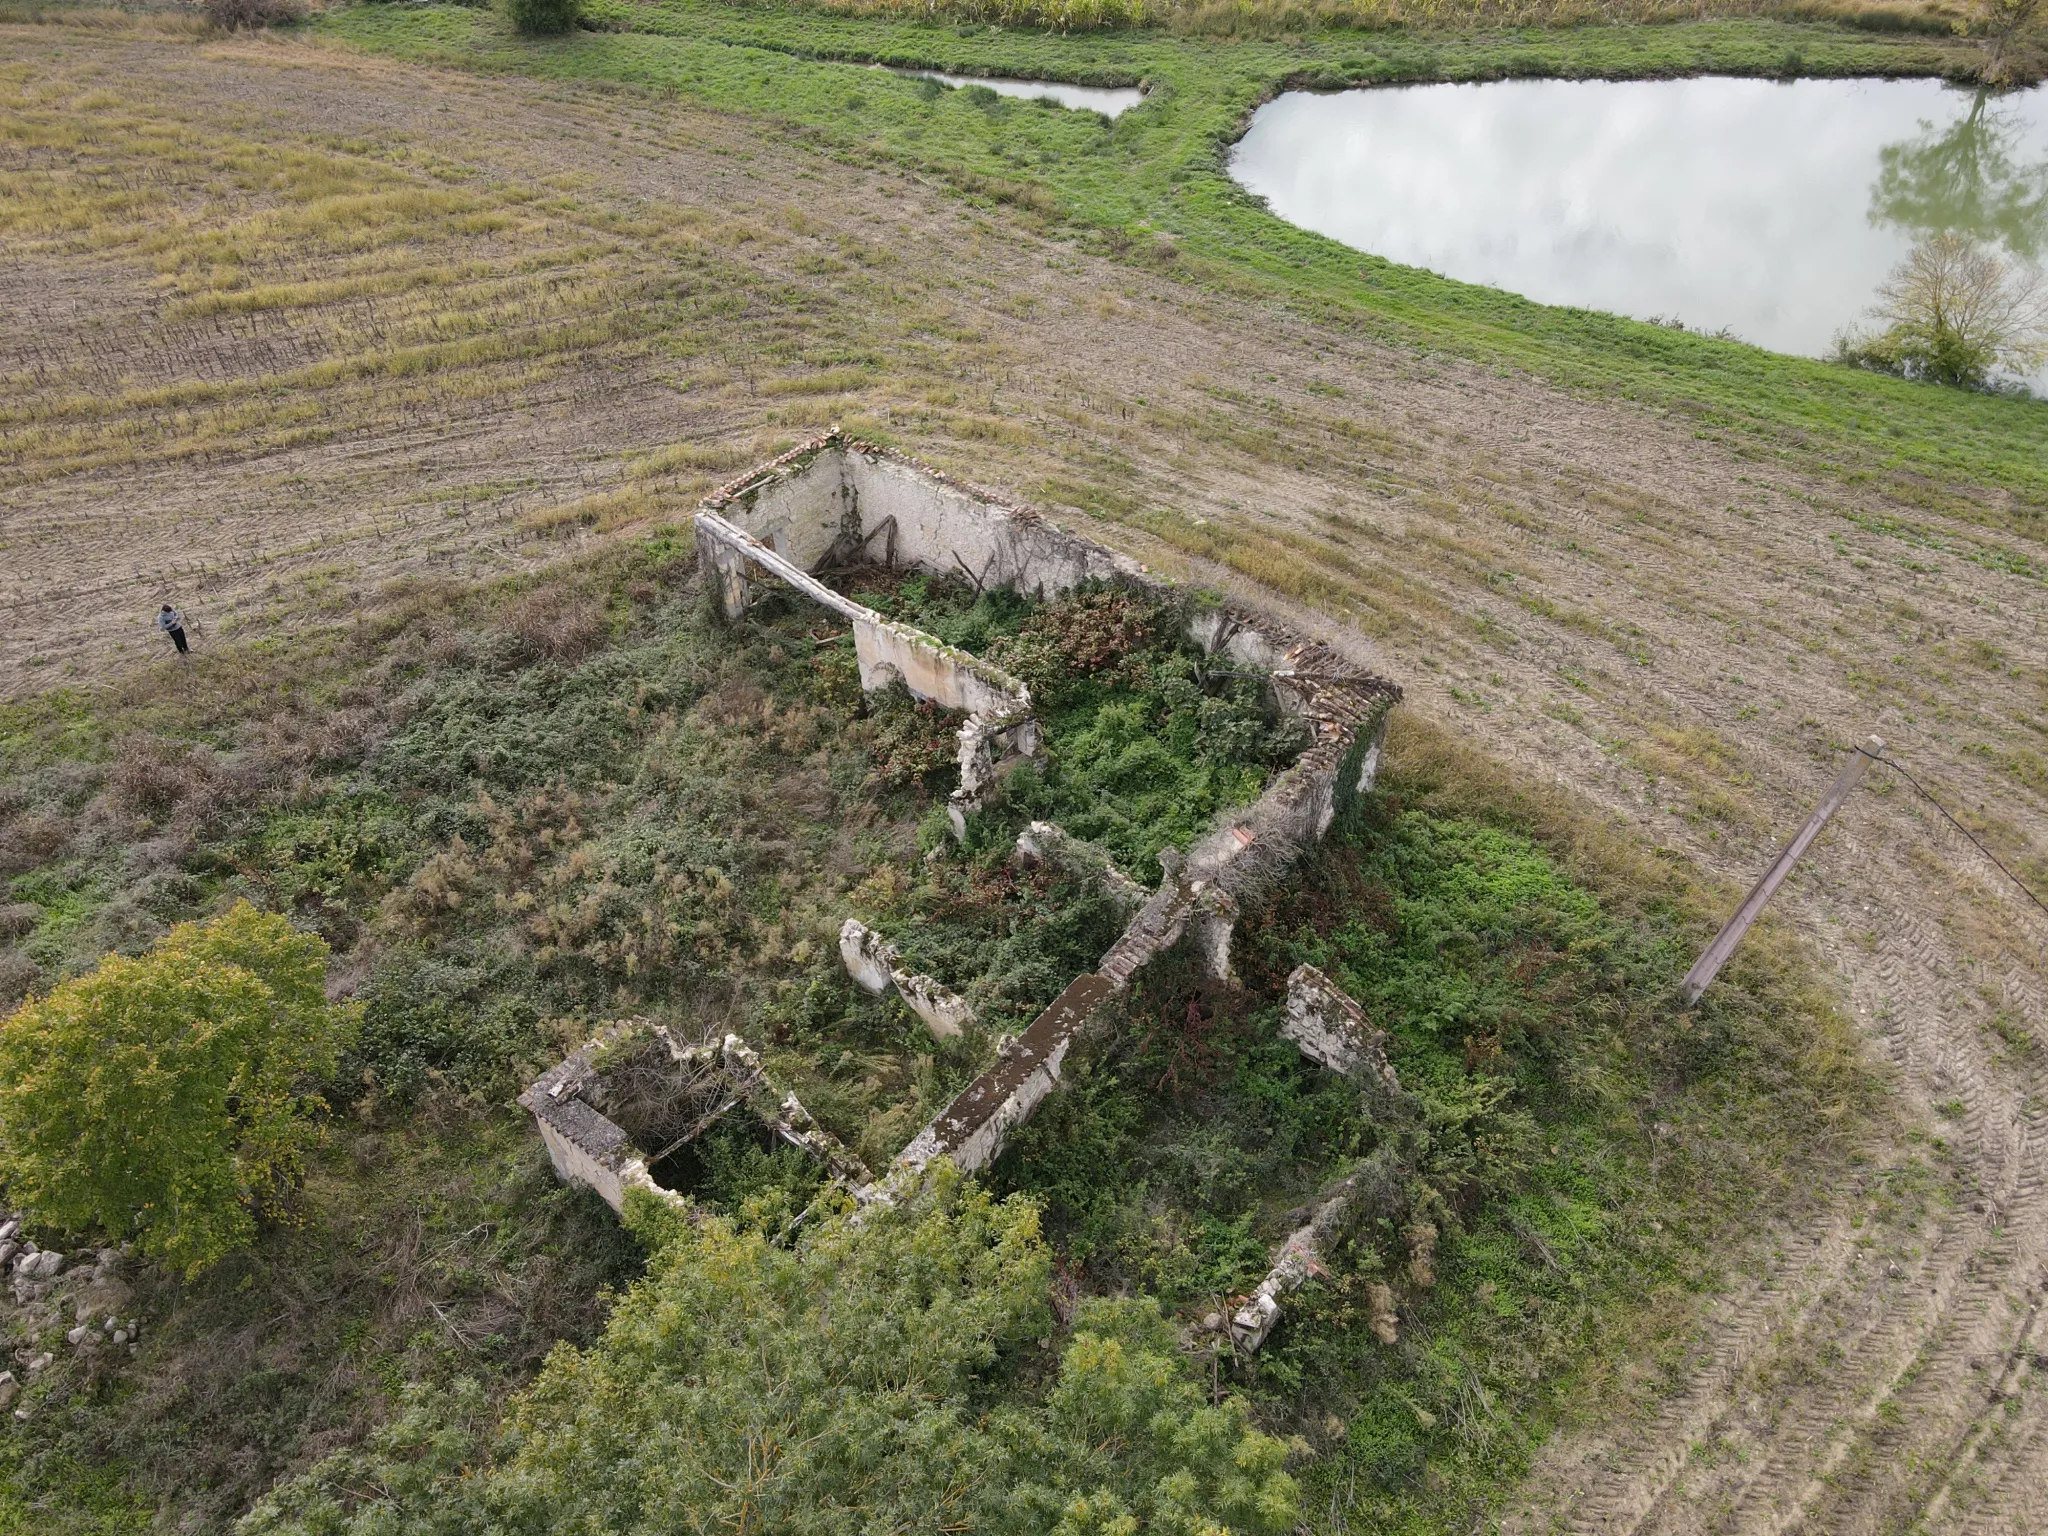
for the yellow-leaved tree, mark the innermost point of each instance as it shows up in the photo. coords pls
(167, 1098)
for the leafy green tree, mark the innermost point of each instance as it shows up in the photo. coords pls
(2007, 23)
(878, 1376)
(1128, 1442)
(544, 18)
(165, 1097)
(1955, 313)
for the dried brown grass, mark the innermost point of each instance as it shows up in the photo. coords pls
(562, 627)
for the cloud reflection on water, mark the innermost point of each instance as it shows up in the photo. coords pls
(1773, 209)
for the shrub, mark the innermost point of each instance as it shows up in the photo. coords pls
(544, 18)
(18, 976)
(27, 842)
(544, 622)
(848, 1384)
(235, 15)
(431, 1018)
(162, 1097)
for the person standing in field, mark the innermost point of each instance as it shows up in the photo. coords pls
(172, 623)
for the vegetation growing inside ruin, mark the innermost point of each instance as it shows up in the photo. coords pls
(1531, 1024)
(528, 811)
(535, 808)
(1146, 739)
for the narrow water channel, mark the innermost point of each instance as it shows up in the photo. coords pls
(1770, 209)
(1109, 100)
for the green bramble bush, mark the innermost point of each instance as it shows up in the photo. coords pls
(544, 18)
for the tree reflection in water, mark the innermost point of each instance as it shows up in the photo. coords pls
(1965, 178)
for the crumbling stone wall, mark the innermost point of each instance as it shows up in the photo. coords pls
(1201, 898)
(872, 960)
(589, 1148)
(888, 651)
(972, 1129)
(999, 727)
(1332, 1030)
(586, 1147)
(836, 500)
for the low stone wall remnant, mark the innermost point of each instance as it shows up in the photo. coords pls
(589, 1148)
(1043, 843)
(971, 1130)
(1330, 1028)
(586, 1147)
(872, 961)
(1299, 1260)
(999, 728)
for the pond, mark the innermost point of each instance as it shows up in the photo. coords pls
(1109, 100)
(1769, 209)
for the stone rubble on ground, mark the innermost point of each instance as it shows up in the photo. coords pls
(48, 1284)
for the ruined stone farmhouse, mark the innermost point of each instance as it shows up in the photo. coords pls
(835, 503)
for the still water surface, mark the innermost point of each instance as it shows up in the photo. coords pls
(1773, 209)
(1109, 100)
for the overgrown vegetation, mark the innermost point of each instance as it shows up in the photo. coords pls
(1234, 18)
(248, 15)
(529, 811)
(1146, 745)
(868, 1376)
(1568, 1131)
(513, 813)
(544, 18)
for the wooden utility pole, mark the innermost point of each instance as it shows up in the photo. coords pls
(1716, 955)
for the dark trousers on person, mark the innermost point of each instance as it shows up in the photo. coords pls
(177, 634)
